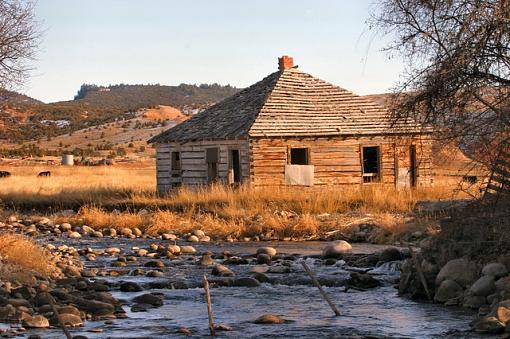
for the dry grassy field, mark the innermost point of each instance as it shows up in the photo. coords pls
(113, 197)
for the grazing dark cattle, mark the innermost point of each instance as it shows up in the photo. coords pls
(44, 174)
(5, 174)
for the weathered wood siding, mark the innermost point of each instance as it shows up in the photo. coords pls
(193, 162)
(337, 161)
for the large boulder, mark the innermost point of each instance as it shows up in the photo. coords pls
(462, 271)
(448, 290)
(483, 286)
(496, 269)
(336, 249)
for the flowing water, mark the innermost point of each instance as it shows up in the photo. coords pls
(377, 312)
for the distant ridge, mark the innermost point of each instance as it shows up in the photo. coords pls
(23, 118)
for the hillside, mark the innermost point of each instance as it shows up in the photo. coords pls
(26, 119)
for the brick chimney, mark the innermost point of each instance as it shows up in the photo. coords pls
(285, 62)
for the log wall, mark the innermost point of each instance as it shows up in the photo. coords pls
(337, 161)
(193, 162)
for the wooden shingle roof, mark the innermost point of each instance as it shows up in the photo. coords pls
(289, 103)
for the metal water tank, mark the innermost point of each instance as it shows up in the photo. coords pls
(68, 160)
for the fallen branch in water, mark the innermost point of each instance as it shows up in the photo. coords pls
(321, 290)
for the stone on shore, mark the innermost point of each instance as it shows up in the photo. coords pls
(130, 286)
(270, 251)
(462, 271)
(495, 269)
(448, 290)
(36, 321)
(483, 286)
(337, 249)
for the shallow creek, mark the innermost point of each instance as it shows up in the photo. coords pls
(377, 313)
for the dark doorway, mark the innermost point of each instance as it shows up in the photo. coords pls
(413, 168)
(371, 164)
(235, 166)
(176, 164)
(212, 158)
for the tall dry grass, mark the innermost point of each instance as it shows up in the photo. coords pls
(21, 259)
(220, 210)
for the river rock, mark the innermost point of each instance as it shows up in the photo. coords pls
(193, 238)
(137, 232)
(68, 319)
(149, 299)
(126, 232)
(68, 309)
(474, 301)
(337, 249)
(363, 281)
(222, 271)
(503, 284)
(94, 307)
(390, 254)
(503, 311)
(490, 325)
(74, 235)
(188, 250)
(168, 236)
(96, 234)
(154, 263)
(269, 319)
(496, 269)
(448, 290)
(139, 308)
(198, 233)
(261, 277)
(270, 251)
(246, 282)
(154, 274)
(36, 321)
(112, 250)
(259, 269)
(110, 232)
(206, 260)
(263, 258)
(279, 269)
(462, 271)
(130, 286)
(483, 286)
(66, 227)
(174, 249)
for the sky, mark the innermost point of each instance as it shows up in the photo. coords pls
(202, 41)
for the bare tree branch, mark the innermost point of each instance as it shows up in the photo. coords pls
(19, 39)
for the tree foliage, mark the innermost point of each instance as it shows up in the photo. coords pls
(19, 37)
(458, 65)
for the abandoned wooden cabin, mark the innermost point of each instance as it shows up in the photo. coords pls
(293, 129)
